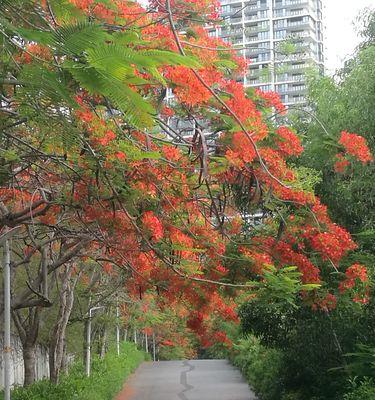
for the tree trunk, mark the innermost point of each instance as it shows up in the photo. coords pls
(28, 331)
(29, 362)
(65, 361)
(58, 333)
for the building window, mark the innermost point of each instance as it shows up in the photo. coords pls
(263, 35)
(281, 34)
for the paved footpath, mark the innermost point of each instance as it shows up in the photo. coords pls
(186, 380)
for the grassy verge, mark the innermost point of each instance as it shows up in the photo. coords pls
(106, 380)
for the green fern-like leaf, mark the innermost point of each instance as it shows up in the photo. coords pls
(66, 12)
(41, 83)
(75, 39)
(137, 111)
(113, 60)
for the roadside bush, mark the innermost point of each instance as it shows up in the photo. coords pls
(260, 366)
(107, 377)
(364, 391)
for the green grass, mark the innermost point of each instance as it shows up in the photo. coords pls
(106, 380)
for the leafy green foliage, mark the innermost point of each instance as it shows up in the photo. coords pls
(261, 366)
(347, 105)
(363, 391)
(282, 285)
(313, 344)
(74, 39)
(105, 381)
(362, 362)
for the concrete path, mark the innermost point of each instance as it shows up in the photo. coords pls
(186, 380)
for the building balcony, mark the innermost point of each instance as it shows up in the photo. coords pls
(295, 100)
(252, 39)
(225, 2)
(257, 17)
(235, 20)
(290, 78)
(291, 3)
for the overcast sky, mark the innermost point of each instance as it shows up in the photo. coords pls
(340, 35)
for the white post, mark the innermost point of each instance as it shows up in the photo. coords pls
(7, 348)
(88, 344)
(117, 330)
(88, 340)
(4, 241)
(153, 346)
(146, 342)
(135, 336)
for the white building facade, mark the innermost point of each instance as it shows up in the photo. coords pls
(282, 39)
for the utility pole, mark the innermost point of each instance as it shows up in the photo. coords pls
(153, 346)
(88, 341)
(117, 329)
(4, 241)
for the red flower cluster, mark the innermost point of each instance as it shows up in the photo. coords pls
(221, 337)
(326, 304)
(153, 225)
(271, 99)
(356, 146)
(107, 138)
(37, 50)
(341, 164)
(356, 271)
(188, 89)
(260, 260)
(242, 106)
(288, 142)
(333, 244)
(310, 273)
(242, 150)
(171, 153)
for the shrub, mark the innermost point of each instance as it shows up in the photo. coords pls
(364, 391)
(107, 377)
(261, 367)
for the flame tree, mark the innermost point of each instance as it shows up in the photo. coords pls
(100, 164)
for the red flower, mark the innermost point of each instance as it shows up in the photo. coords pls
(328, 303)
(153, 225)
(288, 142)
(107, 138)
(189, 89)
(171, 153)
(357, 271)
(341, 164)
(271, 99)
(353, 274)
(356, 146)
(120, 155)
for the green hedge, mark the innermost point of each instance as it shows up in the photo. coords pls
(364, 391)
(264, 368)
(260, 366)
(106, 380)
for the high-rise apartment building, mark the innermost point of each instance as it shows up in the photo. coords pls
(281, 39)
